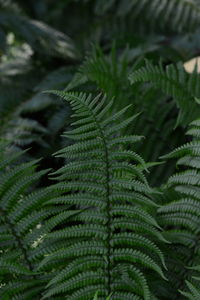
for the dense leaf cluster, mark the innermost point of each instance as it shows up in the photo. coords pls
(111, 211)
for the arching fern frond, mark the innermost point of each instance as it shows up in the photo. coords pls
(110, 244)
(22, 216)
(174, 14)
(175, 82)
(177, 15)
(108, 73)
(180, 215)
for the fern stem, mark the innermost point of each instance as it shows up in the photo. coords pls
(108, 207)
(108, 214)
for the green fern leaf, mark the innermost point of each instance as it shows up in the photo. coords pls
(112, 225)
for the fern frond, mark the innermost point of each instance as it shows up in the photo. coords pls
(193, 286)
(106, 185)
(175, 82)
(176, 15)
(108, 73)
(181, 217)
(17, 221)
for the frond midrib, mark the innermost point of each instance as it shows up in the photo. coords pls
(107, 185)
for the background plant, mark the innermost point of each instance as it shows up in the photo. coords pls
(133, 54)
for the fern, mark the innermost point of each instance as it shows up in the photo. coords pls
(158, 115)
(99, 231)
(177, 15)
(193, 287)
(111, 244)
(108, 72)
(180, 215)
(175, 82)
(21, 221)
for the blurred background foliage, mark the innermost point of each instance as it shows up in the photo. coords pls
(132, 50)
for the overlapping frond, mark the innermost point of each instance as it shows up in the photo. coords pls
(109, 243)
(22, 216)
(180, 215)
(175, 82)
(94, 232)
(158, 115)
(193, 287)
(176, 15)
(108, 73)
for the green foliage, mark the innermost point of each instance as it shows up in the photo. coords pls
(96, 297)
(175, 82)
(193, 288)
(112, 220)
(112, 240)
(175, 15)
(109, 74)
(180, 216)
(21, 217)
